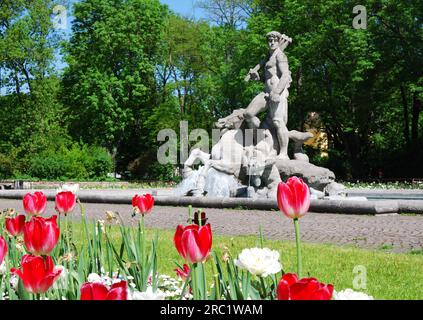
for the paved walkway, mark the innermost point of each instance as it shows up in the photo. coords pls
(401, 233)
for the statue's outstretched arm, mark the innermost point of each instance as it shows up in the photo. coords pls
(253, 73)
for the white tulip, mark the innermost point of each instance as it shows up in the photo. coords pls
(74, 188)
(259, 262)
(349, 294)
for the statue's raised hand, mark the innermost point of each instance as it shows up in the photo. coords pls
(252, 75)
(284, 42)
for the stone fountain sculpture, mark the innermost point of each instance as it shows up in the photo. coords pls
(251, 157)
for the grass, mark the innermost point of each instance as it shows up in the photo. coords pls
(389, 275)
(386, 246)
(384, 185)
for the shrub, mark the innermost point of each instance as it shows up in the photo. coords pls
(6, 166)
(74, 162)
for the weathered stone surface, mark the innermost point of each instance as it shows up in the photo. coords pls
(316, 177)
(334, 189)
(299, 138)
(316, 194)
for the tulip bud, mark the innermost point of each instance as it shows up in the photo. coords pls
(98, 291)
(143, 204)
(193, 242)
(293, 198)
(65, 202)
(37, 273)
(35, 204)
(3, 249)
(41, 235)
(15, 226)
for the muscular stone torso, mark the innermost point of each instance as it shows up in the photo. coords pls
(272, 74)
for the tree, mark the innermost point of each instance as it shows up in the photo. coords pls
(27, 43)
(109, 86)
(228, 13)
(355, 79)
(30, 111)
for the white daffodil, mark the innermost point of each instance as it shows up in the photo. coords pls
(349, 294)
(147, 295)
(74, 188)
(259, 262)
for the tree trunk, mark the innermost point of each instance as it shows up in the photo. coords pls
(27, 76)
(17, 85)
(415, 119)
(406, 123)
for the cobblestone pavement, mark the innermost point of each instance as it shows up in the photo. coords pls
(395, 233)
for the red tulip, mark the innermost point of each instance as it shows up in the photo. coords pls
(290, 288)
(143, 204)
(35, 204)
(41, 235)
(65, 202)
(193, 242)
(293, 198)
(3, 249)
(37, 273)
(98, 291)
(183, 273)
(15, 226)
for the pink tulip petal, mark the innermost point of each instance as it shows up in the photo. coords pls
(190, 243)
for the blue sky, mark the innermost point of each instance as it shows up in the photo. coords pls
(186, 8)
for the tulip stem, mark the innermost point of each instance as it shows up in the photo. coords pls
(263, 288)
(67, 234)
(190, 214)
(68, 253)
(189, 278)
(194, 281)
(297, 240)
(143, 258)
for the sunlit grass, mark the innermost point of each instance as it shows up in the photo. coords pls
(389, 275)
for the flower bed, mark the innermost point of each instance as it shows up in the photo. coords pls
(39, 259)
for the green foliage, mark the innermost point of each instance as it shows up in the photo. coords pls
(6, 166)
(134, 68)
(74, 162)
(114, 87)
(363, 83)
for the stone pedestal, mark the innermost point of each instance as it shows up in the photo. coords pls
(316, 177)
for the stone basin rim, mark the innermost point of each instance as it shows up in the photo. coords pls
(318, 206)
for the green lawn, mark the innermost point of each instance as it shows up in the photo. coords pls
(389, 275)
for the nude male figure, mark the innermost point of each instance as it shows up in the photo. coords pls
(274, 98)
